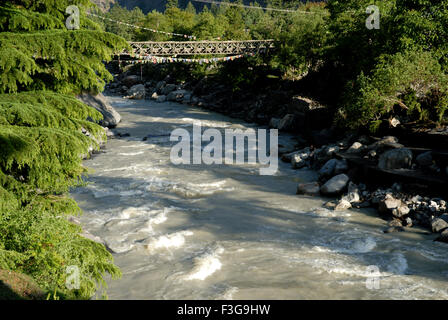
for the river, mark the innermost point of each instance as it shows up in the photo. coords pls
(226, 232)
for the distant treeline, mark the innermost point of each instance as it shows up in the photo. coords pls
(371, 75)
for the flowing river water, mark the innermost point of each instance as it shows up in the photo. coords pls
(226, 232)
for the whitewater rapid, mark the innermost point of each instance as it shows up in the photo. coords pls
(226, 232)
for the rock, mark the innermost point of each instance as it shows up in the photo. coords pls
(86, 234)
(187, 98)
(311, 188)
(300, 104)
(154, 96)
(333, 167)
(353, 193)
(168, 88)
(328, 168)
(287, 122)
(287, 157)
(331, 204)
(299, 159)
(395, 159)
(161, 98)
(388, 204)
(401, 211)
(335, 185)
(395, 223)
(160, 85)
(341, 167)
(394, 122)
(137, 92)
(274, 123)
(355, 148)
(343, 205)
(440, 223)
(325, 153)
(386, 142)
(110, 117)
(364, 204)
(408, 222)
(176, 95)
(424, 159)
(393, 229)
(131, 80)
(443, 236)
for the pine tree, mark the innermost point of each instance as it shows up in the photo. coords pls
(44, 134)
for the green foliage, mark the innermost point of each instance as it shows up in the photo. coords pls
(45, 132)
(399, 84)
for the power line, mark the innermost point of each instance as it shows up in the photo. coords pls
(143, 28)
(253, 7)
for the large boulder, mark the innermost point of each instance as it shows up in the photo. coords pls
(311, 188)
(333, 167)
(131, 80)
(168, 88)
(137, 92)
(424, 159)
(396, 159)
(287, 122)
(176, 95)
(300, 158)
(440, 223)
(335, 185)
(161, 98)
(111, 118)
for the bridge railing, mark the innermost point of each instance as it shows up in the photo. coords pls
(188, 48)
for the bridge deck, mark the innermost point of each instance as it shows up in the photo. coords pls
(188, 48)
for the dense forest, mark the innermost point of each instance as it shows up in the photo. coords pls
(369, 75)
(44, 134)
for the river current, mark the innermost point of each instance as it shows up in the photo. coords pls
(227, 232)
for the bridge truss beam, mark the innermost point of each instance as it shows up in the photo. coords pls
(189, 48)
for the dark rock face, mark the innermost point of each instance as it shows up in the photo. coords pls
(396, 159)
(335, 185)
(311, 188)
(100, 103)
(440, 223)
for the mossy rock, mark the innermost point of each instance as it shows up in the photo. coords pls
(17, 286)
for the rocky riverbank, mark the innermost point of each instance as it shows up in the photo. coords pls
(405, 183)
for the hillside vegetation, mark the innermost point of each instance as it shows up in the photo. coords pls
(43, 140)
(369, 75)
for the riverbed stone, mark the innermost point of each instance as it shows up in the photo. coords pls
(356, 147)
(440, 223)
(388, 204)
(287, 122)
(310, 188)
(395, 159)
(343, 205)
(168, 88)
(111, 118)
(299, 159)
(176, 95)
(131, 80)
(273, 123)
(424, 159)
(335, 185)
(137, 92)
(353, 193)
(161, 98)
